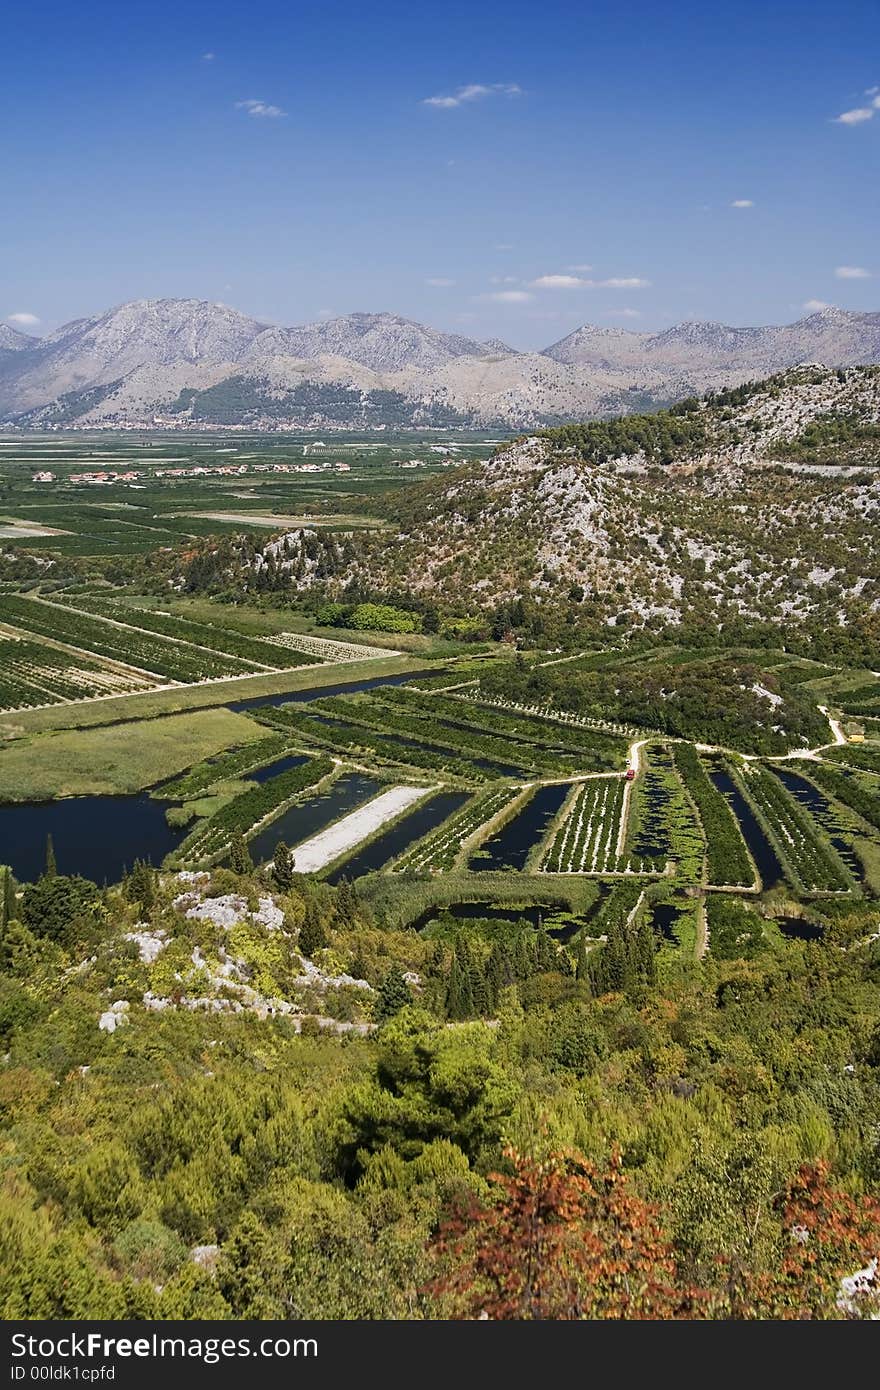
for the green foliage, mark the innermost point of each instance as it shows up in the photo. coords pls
(430, 1083)
(728, 858)
(735, 929)
(57, 907)
(663, 437)
(394, 995)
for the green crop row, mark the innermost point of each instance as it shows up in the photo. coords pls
(726, 851)
(224, 768)
(209, 841)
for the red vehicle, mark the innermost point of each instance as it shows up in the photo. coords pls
(630, 774)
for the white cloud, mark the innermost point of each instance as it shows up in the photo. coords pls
(852, 272)
(439, 282)
(814, 305)
(503, 279)
(504, 246)
(259, 108)
(508, 296)
(576, 282)
(624, 313)
(872, 92)
(474, 91)
(208, 57)
(854, 117)
(23, 320)
(560, 282)
(580, 269)
(876, 103)
(742, 203)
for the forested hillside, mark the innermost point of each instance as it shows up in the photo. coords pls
(696, 1141)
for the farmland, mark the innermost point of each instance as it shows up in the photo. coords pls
(248, 712)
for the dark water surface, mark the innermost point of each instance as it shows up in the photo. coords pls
(761, 849)
(301, 697)
(306, 818)
(405, 833)
(509, 847)
(96, 836)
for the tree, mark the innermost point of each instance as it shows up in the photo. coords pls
(312, 936)
(562, 1241)
(51, 867)
(394, 995)
(347, 905)
(240, 861)
(8, 899)
(281, 870)
(51, 906)
(140, 885)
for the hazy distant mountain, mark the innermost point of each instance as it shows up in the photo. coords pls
(13, 341)
(177, 362)
(834, 337)
(382, 342)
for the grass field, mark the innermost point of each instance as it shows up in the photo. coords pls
(122, 758)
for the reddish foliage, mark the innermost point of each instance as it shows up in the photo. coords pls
(828, 1234)
(564, 1242)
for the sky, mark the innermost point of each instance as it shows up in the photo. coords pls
(500, 170)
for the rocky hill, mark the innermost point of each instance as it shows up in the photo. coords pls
(759, 503)
(179, 363)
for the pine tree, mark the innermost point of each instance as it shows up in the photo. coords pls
(312, 936)
(281, 870)
(51, 870)
(394, 995)
(240, 861)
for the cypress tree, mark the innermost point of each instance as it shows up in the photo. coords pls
(8, 900)
(281, 870)
(312, 936)
(51, 870)
(545, 952)
(647, 953)
(240, 861)
(456, 1001)
(346, 902)
(523, 957)
(581, 969)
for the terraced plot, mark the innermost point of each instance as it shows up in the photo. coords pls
(165, 658)
(254, 653)
(325, 649)
(728, 860)
(33, 674)
(586, 840)
(441, 849)
(576, 746)
(323, 725)
(810, 861)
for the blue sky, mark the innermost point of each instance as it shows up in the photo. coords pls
(507, 170)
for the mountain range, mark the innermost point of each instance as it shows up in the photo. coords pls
(184, 363)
